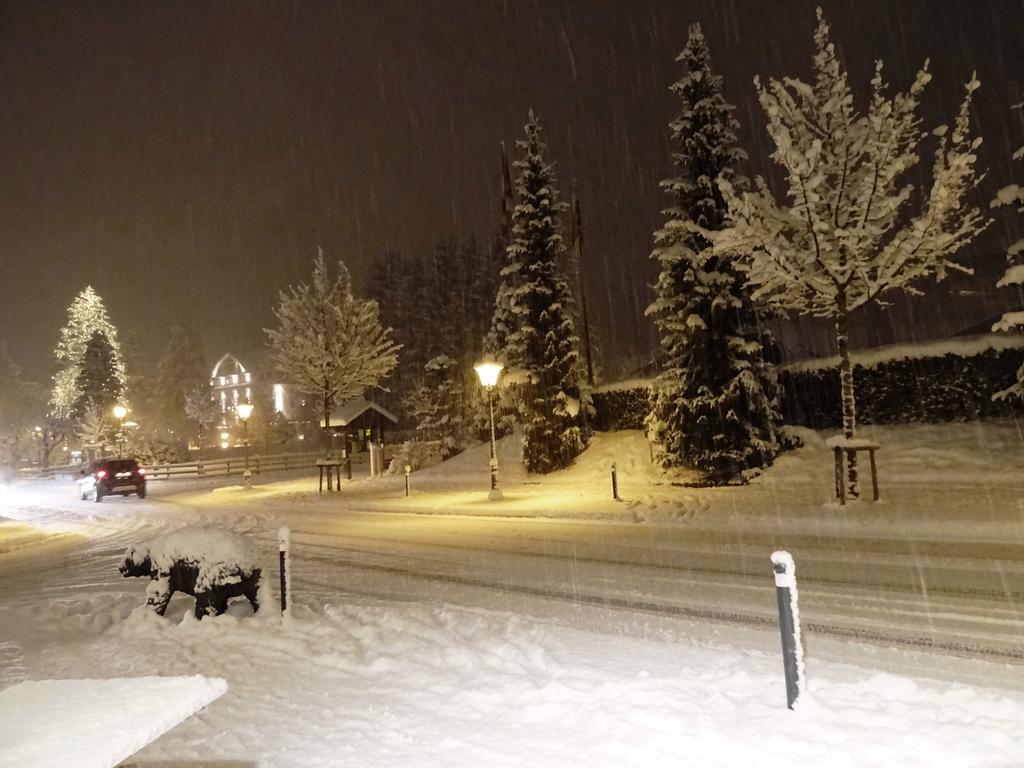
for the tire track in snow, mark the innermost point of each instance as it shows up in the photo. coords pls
(917, 642)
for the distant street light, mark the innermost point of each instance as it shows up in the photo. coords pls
(244, 411)
(488, 370)
(119, 413)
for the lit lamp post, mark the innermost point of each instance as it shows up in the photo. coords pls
(119, 413)
(488, 370)
(244, 411)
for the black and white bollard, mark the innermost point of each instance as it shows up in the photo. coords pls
(615, 482)
(789, 625)
(408, 469)
(283, 544)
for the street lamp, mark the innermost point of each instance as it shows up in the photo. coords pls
(488, 370)
(119, 413)
(244, 411)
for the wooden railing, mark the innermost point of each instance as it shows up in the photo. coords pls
(235, 465)
(282, 462)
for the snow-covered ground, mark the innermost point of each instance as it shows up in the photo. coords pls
(558, 626)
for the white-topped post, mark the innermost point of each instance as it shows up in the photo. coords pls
(789, 625)
(284, 538)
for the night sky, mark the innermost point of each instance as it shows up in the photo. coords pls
(187, 158)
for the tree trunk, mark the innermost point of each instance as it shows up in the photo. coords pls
(848, 401)
(327, 424)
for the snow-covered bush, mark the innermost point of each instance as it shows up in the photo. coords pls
(616, 409)
(416, 454)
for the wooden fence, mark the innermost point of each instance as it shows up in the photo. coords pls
(235, 465)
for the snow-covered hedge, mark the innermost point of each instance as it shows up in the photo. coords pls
(623, 407)
(951, 380)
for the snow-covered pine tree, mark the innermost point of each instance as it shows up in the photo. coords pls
(714, 407)
(1014, 320)
(330, 343)
(21, 407)
(97, 383)
(440, 406)
(543, 346)
(182, 368)
(502, 319)
(842, 236)
(86, 315)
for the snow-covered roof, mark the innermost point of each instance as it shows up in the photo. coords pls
(348, 412)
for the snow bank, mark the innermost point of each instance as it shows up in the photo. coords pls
(94, 723)
(385, 685)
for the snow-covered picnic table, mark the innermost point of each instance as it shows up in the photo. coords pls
(94, 723)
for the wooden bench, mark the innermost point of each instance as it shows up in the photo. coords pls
(850, 446)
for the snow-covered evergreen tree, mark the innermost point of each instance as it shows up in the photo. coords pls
(842, 236)
(330, 343)
(1014, 277)
(22, 406)
(542, 351)
(97, 383)
(441, 407)
(502, 322)
(86, 315)
(714, 405)
(182, 367)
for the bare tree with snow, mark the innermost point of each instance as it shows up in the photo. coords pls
(329, 343)
(846, 233)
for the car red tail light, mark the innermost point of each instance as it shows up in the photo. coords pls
(100, 474)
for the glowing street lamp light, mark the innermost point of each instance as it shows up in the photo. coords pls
(119, 413)
(244, 411)
(488, 370)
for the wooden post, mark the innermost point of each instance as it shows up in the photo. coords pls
(840, 471)
(874, 474)
(284, 543)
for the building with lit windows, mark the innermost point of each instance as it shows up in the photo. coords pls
(232, 384)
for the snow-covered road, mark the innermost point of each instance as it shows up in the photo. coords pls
(440, 630)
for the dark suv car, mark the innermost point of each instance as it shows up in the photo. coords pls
(106, 477)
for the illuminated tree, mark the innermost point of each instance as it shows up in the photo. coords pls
(330, 343)
(86, 315)
(842, 236)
